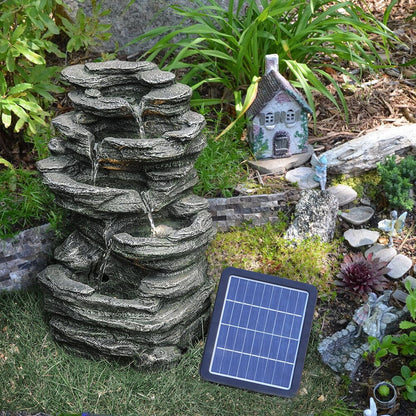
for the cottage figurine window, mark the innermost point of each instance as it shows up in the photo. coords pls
(290, 117)
(269, 119)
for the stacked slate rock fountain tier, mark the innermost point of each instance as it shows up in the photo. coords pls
(130, 282)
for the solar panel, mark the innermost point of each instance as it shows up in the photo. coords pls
(259, 331)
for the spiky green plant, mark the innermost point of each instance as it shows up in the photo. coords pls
(313, 38)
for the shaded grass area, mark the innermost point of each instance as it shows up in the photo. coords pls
(39, 375)
(25, 202)
(221, 166)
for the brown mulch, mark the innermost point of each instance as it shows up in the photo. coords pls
(387, 99)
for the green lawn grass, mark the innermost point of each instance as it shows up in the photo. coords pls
(39, 375)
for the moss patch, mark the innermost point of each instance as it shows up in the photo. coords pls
(263, 249)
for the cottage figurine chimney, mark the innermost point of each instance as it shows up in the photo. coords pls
(272, 63)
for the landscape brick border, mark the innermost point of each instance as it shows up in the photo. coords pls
(252, 209)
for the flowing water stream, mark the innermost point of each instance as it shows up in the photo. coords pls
(95, 160)
(149, 213)
(137, 111)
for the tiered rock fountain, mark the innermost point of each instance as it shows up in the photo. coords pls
(130, 282)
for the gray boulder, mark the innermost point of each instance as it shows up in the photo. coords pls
(127, 23)
(315, 216)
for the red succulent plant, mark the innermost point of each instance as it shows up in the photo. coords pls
(362, 275)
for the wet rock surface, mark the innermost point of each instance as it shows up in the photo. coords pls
(130, 282)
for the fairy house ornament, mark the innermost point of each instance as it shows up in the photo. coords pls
(278, 116)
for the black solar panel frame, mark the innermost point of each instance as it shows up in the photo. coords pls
(215, 322)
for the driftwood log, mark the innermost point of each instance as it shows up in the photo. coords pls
(363, 153)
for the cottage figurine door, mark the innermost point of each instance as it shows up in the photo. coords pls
(280, 144)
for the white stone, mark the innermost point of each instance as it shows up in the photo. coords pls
(303, 176)
(400, 265)
(382, 252)
(281, 165)
(344, 193)
(361, 237)
(357, 215)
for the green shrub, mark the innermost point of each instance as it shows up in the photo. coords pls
(397, 180)
(227, 46)
(25, 202)
(28, 32)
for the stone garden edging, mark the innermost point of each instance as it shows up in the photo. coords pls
(24, 255)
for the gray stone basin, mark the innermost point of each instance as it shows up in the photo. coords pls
(177, 244)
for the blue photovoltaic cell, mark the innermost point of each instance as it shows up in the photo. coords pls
(259, 332)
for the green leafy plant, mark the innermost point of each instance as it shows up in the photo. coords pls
(362, 275)
(314, 39)
(407, 379)
(28, 32)
(411, 306)
(397, 180)
(377, 349)
(384, 390)
(88, 30)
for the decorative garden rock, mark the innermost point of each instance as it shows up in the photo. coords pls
(358, 215)
(381, 252)
(130, 282)
(23, 256)
(315, 216)
(399, 266)
(303, 177)
(344, 194)
(361, 237)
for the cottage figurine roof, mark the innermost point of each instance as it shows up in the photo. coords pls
(269, 85)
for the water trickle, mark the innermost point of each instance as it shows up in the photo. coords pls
(108, 234)
(149, 213)
(95, 160)
(103, 264)
(137, 111)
